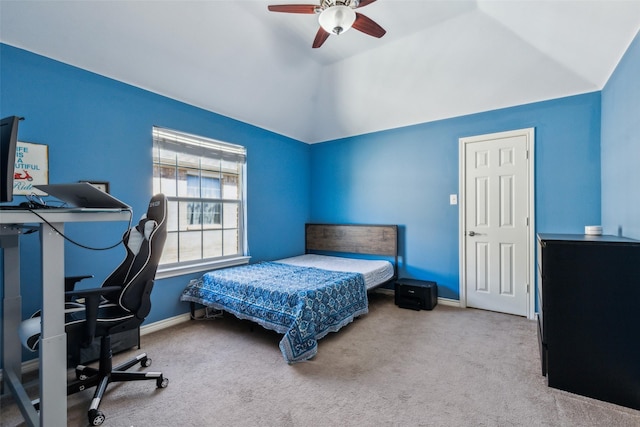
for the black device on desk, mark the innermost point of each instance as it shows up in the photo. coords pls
(19, 207)
(25, 206)
(8, 142)
(32, 205)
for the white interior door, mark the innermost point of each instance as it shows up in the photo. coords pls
(496, 220)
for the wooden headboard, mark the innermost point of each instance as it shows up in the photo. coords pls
(354, 239)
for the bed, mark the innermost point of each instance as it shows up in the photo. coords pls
(307, 296)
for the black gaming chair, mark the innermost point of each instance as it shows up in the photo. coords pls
(121, 304)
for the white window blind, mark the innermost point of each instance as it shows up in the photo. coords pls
(204, 181)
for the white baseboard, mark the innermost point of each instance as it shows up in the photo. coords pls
(443, 301)
(449, 302)
(165, 323)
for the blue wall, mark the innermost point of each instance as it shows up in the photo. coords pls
(404, 176)
(621, 146)
(100, 129)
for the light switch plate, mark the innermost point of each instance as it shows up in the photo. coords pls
(453, 199)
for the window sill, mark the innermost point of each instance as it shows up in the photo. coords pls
(180, 270)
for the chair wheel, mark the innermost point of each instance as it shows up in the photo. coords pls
(162, 382)
(146, 362)
(96, 417)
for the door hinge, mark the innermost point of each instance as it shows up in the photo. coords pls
(527, 221)
(527, 288)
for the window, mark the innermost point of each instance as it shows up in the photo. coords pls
(205, 213)
(204, 181)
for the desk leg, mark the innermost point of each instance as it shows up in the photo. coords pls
(53, 341)
(12, 304)
(12, 316)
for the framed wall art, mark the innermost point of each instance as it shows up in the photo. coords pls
(100, 185)
(31, 168)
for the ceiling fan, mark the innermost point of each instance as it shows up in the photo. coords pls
(335, 17)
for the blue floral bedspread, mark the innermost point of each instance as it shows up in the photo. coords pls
(303, 303)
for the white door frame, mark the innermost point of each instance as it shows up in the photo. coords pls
(529, 133)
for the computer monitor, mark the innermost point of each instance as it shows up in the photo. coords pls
(8, 141)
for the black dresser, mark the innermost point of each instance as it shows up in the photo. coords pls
(589, 315)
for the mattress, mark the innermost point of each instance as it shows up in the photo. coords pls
(303, 303)
(375, 272)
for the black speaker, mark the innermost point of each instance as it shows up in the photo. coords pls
(416, 294)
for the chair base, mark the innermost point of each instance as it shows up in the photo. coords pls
(87, 377)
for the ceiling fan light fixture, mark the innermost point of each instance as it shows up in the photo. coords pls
(337, 19)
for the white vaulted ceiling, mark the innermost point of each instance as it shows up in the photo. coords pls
(439, 58)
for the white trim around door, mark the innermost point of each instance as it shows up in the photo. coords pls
(529, 135)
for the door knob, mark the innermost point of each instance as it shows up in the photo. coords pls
(472, 233)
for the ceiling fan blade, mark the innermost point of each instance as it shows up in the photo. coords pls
(368, 26)
(321, 36)
(293, 8)
(363, 3)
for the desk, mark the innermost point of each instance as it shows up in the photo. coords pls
(53, 341)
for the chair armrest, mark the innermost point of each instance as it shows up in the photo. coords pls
(70, 281)
(70, 284)
(87, 293)
(92, 298)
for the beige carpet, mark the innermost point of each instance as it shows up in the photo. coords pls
(392, 367)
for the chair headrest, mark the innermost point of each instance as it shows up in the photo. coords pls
(157, 208)
(139, 233)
